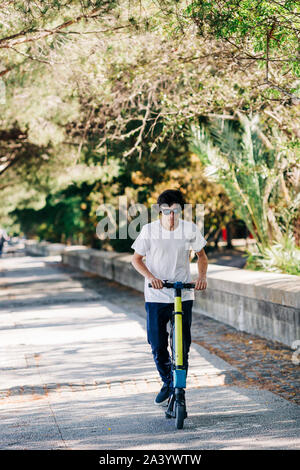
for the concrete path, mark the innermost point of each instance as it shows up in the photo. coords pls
(76, 372)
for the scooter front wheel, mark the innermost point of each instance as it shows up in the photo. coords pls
(180, 415)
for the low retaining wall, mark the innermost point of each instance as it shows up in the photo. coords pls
(33, 247)
(265, 304)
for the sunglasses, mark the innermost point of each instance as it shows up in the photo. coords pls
(168, 211)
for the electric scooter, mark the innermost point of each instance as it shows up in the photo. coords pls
(177, 405)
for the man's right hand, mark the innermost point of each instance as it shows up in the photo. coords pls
(156, 283)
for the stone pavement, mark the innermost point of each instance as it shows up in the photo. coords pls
(76, 372)
(269, 365)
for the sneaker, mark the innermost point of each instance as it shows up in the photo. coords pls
(163, 395)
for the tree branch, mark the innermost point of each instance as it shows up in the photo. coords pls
(7, 42)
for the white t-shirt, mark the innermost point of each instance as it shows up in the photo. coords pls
(167, 256)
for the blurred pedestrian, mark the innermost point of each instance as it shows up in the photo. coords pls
(3, 238)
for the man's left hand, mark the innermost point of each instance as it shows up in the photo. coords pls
(200, 283)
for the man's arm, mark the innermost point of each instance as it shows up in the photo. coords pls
(139, 265)
(202, 263)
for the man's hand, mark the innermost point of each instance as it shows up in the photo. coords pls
(156, 283)
(200, 283)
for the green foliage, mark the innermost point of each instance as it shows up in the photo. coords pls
(280, 257)
(61, 217)
(70, 214)
(236, 157)
(266, 26)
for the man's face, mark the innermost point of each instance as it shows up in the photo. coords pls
(168, 214)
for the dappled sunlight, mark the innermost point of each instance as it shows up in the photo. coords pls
(72, 327)
(92, 421)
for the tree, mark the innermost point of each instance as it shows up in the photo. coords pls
(65, 69)
(265, 32)
(89, 83)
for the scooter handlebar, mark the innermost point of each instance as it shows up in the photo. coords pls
(176, 285)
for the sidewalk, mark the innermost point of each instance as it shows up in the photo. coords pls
(76, 372)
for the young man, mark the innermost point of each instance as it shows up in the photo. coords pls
(166, 243)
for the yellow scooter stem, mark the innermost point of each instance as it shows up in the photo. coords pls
(178, 332)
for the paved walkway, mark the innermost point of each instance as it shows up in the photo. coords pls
(76, 372)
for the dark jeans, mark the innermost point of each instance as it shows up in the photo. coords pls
(158, 315)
